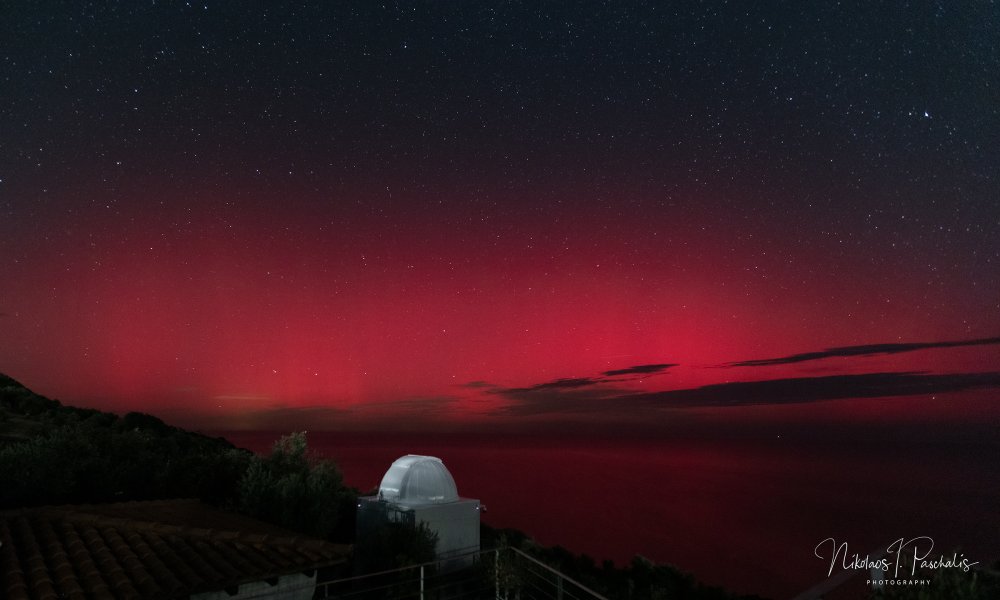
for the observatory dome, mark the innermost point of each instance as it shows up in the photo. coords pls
(415, 480)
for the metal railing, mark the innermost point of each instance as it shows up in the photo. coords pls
(499, 574)
(532, 579)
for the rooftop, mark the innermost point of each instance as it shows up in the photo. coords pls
(415, 480)
(157, 549)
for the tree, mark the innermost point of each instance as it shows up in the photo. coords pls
(396, 545)
(291, 489)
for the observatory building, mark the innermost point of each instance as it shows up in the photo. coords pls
(419, 489)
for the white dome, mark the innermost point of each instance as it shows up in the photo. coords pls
(414, 479)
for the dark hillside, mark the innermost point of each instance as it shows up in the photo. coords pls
(55, 454)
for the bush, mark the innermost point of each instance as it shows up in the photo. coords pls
(292, 490)
(87, 462)
(391, 545)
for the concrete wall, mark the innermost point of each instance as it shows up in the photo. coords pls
(456, 524)
(297, 586)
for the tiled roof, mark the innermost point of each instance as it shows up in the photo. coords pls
(145, 550)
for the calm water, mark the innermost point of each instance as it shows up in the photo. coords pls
(744, 514)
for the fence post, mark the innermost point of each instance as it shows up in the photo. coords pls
(421, 582)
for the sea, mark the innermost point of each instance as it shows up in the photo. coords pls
(758, 514)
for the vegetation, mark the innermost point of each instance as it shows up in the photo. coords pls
(55, 454)
(70, 455)
(641, 579)
(395, 545)
(293, 490)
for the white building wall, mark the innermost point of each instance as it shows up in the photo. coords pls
(297, 586)
(456, 524)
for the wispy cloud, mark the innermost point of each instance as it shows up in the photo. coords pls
(555, 401)
(640, 370)
(866, 350)
(570, 383)
(478, 385)
(605, 378)
(796, 390)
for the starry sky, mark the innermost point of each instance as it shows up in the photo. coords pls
(437, 214)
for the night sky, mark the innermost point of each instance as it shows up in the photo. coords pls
(442, 214)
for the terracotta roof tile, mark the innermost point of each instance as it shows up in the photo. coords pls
(158, 571)
(148, 550)
(62, 572)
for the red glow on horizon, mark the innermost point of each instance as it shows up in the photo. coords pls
(242, 312)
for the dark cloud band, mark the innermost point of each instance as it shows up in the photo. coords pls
(799, 390)
(868, 350)
(640, 370)
(796, 390)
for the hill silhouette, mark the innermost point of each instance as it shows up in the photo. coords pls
(52, 454)
(56, 454)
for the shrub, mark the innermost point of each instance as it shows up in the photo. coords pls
(292, 490)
